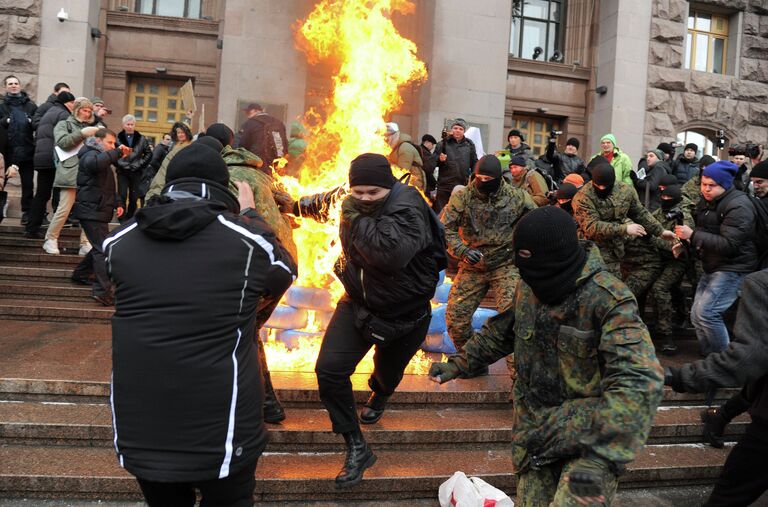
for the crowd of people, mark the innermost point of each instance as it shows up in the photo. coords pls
(571, 248)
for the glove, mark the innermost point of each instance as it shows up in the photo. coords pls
(585, 483)
(673, 380)
(317, 206)
(348, 211)
(472, 256)
(633, 176)
(284, 201)
(443, 372)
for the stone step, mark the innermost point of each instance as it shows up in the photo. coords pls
(44, 290)
(10, 228)
(53, 273)
(14, 243)
(93, 473)
(39, 258)
(54, 311)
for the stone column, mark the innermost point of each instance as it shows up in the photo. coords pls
(622, 66)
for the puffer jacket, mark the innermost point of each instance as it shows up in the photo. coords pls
(43, 108)
(67, 135)
(16, 118)
(139, 158)
(724, 235)
(44, 142)
(685, 169)
(96, 195)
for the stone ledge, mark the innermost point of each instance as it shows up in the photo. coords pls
(147, 22)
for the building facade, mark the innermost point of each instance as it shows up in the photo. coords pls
(647, 71)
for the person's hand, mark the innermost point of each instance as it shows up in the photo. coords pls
(677, 249)
(673, 379)
(443, 157)
(12, 171)
(283, 200)
(586, 486)
(683, 231)
(348, 211)
(124, 150)
(89, 131)
(472, 256)
(120, 210)
(245, 195)
(635, 230)
(668, 235)
(443, 372)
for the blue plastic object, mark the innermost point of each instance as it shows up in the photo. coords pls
(437, 324)
(287, 317)
(310, 298)
(441, 293)
(291, 338)
(441, 281)
(480, 316)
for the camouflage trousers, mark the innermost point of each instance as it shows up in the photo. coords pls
(546, 486)
(639, 275)
(612, 263)
(662, 292)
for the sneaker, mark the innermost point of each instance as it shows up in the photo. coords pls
(84, 249)
(24, 218)
(51, 246)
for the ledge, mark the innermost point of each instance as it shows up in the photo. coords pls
(549, 69)
(162, 23)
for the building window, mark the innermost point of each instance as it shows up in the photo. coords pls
(156, 104)
(706, 44)
(536, 131)
(537, 29)
(173, 8)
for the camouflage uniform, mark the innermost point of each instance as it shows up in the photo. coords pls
(691, 195)
(604, 220)
(485, 223)
(584, 397)
(243, 166)
(641, 265)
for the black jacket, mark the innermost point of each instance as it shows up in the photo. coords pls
(684, 169)
(16, 121)
(463, 153)
(745, 361)
(724, 235)
(565, 164)
(96, 199)
(44, 142)
(193, 283)
(158, 155)
(381, 266)
(648, 188)
(139, 158)
(42, 109)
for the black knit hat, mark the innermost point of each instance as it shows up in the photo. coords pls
(566, 191)
(515, 132)
(666, 148)
(429, 138)
(211, 142)
(705, 161)
(65, 97)
(598, 160)
(760, 170)
(371, 169)
(667, 180)
(573, 142)
(222, 133)
(489, 165)
(518, 161)
(691, 146)
(198, 161)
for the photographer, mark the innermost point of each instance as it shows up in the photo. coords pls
(567, 162)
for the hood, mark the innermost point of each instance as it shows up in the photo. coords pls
(593, 265)
(185, 207)
(240, 157)
(22, 99)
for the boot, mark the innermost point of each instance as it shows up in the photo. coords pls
(273, 410)
(374, 408)
(714, 425)
(668, 346)
(359, 457)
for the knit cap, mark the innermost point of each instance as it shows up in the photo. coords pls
(489, 165)
(760, 170)
(198, 161)
(371, 169)
(573, 142)
(722, 172)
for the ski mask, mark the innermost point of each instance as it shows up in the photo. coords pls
(548, 253)
(604, 174)
(489, 165)
(671, 196)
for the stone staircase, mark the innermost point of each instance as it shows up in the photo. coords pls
(55, 422)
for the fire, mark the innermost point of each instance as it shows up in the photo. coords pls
(371, 61)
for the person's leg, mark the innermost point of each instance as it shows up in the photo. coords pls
(661, 291)
(468, 290)
(389, 363)
(27, 174)
(536, 488)
(607, 480)
(722, 289)
(66, 201)
(55, 197)
(233, 491)
(96, 232)
(164, 494)
(123, 184)
(45, 176)
(504, 282)
(744, 477)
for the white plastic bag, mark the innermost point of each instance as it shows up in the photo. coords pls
(460, 491)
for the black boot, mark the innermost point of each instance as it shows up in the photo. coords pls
(374, 408)
(714, 425)
(273, 410)
(359, 457)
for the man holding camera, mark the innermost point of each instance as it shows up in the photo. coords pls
(567, 162)
(723, 239)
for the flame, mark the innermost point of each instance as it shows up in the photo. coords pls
(371, 61)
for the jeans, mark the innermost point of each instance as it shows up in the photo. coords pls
(715, 293)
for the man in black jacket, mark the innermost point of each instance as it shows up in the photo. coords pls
(389, 275)
(130, 169)
(724, 241)
(49, 103)
(744, 363)
(95, 204)
(17, 138)
(193, 283)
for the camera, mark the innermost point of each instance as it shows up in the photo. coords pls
(720, 139)
(555, 133)
(675, 214)
(62, 16)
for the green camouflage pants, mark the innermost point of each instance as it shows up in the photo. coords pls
(640, 275)
(612, 263)
(661, 290)
(546, 486)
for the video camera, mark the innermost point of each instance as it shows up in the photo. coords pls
(554, 133)
(720, 139)
(675, 214)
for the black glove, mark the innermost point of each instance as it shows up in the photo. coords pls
(585, 483)
(318, 206)
(472, 256)
(673, 380)
(443, 372)
(633, 177)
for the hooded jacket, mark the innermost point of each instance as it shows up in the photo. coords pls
(16, 114)
(68, 135)
(42, 109)
(96, 195)
(193, 283)
(621, 162)
(44, 141)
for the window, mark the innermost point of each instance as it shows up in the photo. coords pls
(173, 8)
(535, 130)
(156, 104)
(706, 44)
(537, 29)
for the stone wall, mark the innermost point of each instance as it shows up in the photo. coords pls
(20, 42)
(678, 99)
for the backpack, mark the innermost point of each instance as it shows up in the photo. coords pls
(269, 138)
(547, 171)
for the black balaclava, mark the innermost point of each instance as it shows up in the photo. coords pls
(548, 253)
(566, 191)
(673, 196)
(604, 174)
(489, 165)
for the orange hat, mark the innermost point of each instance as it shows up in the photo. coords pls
(575, 180)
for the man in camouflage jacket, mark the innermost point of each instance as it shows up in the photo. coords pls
(479, 220)
(588, 381)
(603, 207)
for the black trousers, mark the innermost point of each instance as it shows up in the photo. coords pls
(45, 177)
(342, 349)
(233, 491)
(95, 262)
(128, 190)
(27, 175)
(745, 475)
